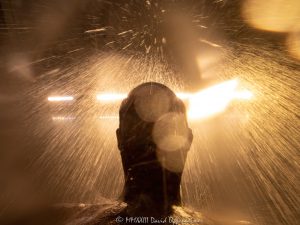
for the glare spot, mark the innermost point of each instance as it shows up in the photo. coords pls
(62, 118)
(272, 15)
(21, 66)
(151, 104)
(244, 95)
(60, 98)
(215, 99)
(202, 104)
(171, 135)
(183, 96)
(170, 132)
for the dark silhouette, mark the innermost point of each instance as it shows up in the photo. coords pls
(153, 138)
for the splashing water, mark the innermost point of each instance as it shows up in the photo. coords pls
(243, 158)
(243, 161)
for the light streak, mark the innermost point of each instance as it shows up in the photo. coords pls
(109, 117)
(63, 118)
(203, 104)
(214, 100)
(243, 95)
(60, 98)
(111, 97)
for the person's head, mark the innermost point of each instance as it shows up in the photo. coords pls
(153, 138)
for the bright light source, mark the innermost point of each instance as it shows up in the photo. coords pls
(202, 104)
(215, 99)
(183, 96)
(110, 97)
(108, 117)
(62, 118)
(244, 95)
(60, 98)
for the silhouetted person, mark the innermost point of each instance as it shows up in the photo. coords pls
(153, 139)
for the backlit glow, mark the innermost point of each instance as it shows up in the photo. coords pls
(183, 96)
(203, 104)
(109, 117)
(111, 97)
(272, 15)
(60, 98)
(243, 95)
(62, 118)
(215, 99)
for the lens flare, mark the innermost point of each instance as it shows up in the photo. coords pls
(60, 98)
(272, 15)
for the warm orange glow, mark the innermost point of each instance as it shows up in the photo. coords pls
(272, 15)
(112, 97)
(108, 117)
(202, 104)
(243, 95)
(293, 43)
(60, 98)
(183, 96)
(109, 97)
(62, 118)
(215, 99)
